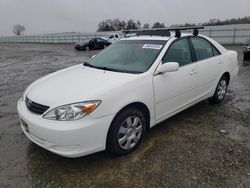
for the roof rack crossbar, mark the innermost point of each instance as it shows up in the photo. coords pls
(162, 31)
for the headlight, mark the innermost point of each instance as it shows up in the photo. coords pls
(23, 95)
(72, 112)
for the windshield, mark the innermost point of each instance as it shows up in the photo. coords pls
(132, 56)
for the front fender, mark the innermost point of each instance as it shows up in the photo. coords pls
(138, 89)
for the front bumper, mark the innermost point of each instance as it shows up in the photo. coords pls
(66, 138)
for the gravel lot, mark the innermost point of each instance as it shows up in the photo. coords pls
(187, 150)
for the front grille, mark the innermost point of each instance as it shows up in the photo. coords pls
(35, 107)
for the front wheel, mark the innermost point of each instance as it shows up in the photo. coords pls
(86, 48)
(246, 56)
(220, 91)
(126, 132)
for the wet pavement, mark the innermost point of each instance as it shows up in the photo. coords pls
(205, 146)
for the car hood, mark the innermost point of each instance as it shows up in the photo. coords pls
(75, 84)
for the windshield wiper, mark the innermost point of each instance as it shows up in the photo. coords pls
(106, 68)
(87, 64)
(118, 70)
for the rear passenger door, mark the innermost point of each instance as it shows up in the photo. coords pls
(176, 90)
(209, 64)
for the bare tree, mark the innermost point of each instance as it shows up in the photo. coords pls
(119, 25)
(138, 24)
(131, 24)
(18, 29)
(111, 25)
(158, 25)
(146, 26)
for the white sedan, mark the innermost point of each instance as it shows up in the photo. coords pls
(112, 100)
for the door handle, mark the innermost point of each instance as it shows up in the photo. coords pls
(220, 61)
(193, 71)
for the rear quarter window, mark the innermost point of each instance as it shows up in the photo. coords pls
(216, 52)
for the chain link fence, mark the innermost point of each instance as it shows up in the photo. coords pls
(52, 38)
(223, 36)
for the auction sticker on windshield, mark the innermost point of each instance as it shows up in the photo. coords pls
(152, 46)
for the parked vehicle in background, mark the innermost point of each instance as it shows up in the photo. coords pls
(80, 45)
(246, 50)
(113, 37)
(93, 44)
(111, 101)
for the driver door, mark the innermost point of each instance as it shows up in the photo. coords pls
(176, 90)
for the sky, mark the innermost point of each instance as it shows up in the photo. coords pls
(54, 16)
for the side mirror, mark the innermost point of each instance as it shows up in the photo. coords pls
(168, 67)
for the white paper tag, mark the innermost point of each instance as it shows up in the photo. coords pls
(152, 46)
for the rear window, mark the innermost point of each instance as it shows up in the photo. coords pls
(203, 48)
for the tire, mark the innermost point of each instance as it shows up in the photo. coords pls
(86, 48)
(81, 49)
(220, 91)
(126, 132)
(105, 46)
(246, 56)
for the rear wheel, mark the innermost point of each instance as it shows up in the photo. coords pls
(126, 131)
(220, 91)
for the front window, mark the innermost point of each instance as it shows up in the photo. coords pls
(178, 52)
(132, 56)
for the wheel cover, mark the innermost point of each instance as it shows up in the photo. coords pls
(130, 132)
(222, 89)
